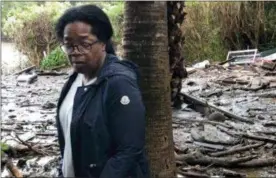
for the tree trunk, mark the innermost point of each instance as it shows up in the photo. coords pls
(146, 43)
(176, 15)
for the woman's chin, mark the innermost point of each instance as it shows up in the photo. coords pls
(78, 68)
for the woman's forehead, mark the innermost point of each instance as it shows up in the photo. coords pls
(78, 29)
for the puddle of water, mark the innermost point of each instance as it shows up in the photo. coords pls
(11, 59)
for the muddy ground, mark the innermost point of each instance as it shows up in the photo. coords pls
(201, 137)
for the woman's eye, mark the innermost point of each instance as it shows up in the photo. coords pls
(84, 44)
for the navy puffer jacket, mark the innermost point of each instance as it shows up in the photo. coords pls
(108, 124)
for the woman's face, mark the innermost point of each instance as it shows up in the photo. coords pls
(85, 52)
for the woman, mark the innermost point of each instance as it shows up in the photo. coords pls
(100, 114)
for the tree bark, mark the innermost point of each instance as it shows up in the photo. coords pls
(145, 42)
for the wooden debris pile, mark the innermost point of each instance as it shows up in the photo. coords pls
(227, 124)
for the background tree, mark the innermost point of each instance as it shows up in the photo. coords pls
(145, 41)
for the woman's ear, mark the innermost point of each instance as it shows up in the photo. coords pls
(103, 46)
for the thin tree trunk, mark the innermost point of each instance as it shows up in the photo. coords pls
(146, 43)
(176, 15)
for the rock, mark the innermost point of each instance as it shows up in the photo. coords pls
(12, 116)
(21, 163)
(27, 78)
(211, 134)
(216, 116)
(27, 136)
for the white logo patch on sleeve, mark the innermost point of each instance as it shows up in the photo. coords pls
(125, 100)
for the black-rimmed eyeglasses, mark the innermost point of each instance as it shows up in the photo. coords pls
(83, 47)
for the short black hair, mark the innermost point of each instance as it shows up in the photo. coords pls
(89, 14)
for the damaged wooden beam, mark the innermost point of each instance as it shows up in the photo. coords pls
(236, 150)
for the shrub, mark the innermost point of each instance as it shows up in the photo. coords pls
(202, 36)
(56, 58)
(213, 28)
(32, 28)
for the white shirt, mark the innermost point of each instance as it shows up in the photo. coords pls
(65, 116)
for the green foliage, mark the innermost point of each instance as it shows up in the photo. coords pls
(213, 28)
(202, 37)
(115, 12)
(4, 147)
(56, 58)
(31, 26)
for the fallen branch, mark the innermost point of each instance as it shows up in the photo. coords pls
(31, 147)
(205, 103)
(235, 150)
(192, 174)
(251, 89)
(259, 163)
(24, 70)
(52, 73)
(198, 158)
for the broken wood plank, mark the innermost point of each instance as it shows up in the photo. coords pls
(269, 65)
(208, 145)
(236, 150)
(195, 100)
(200, 121)
(251, 88)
